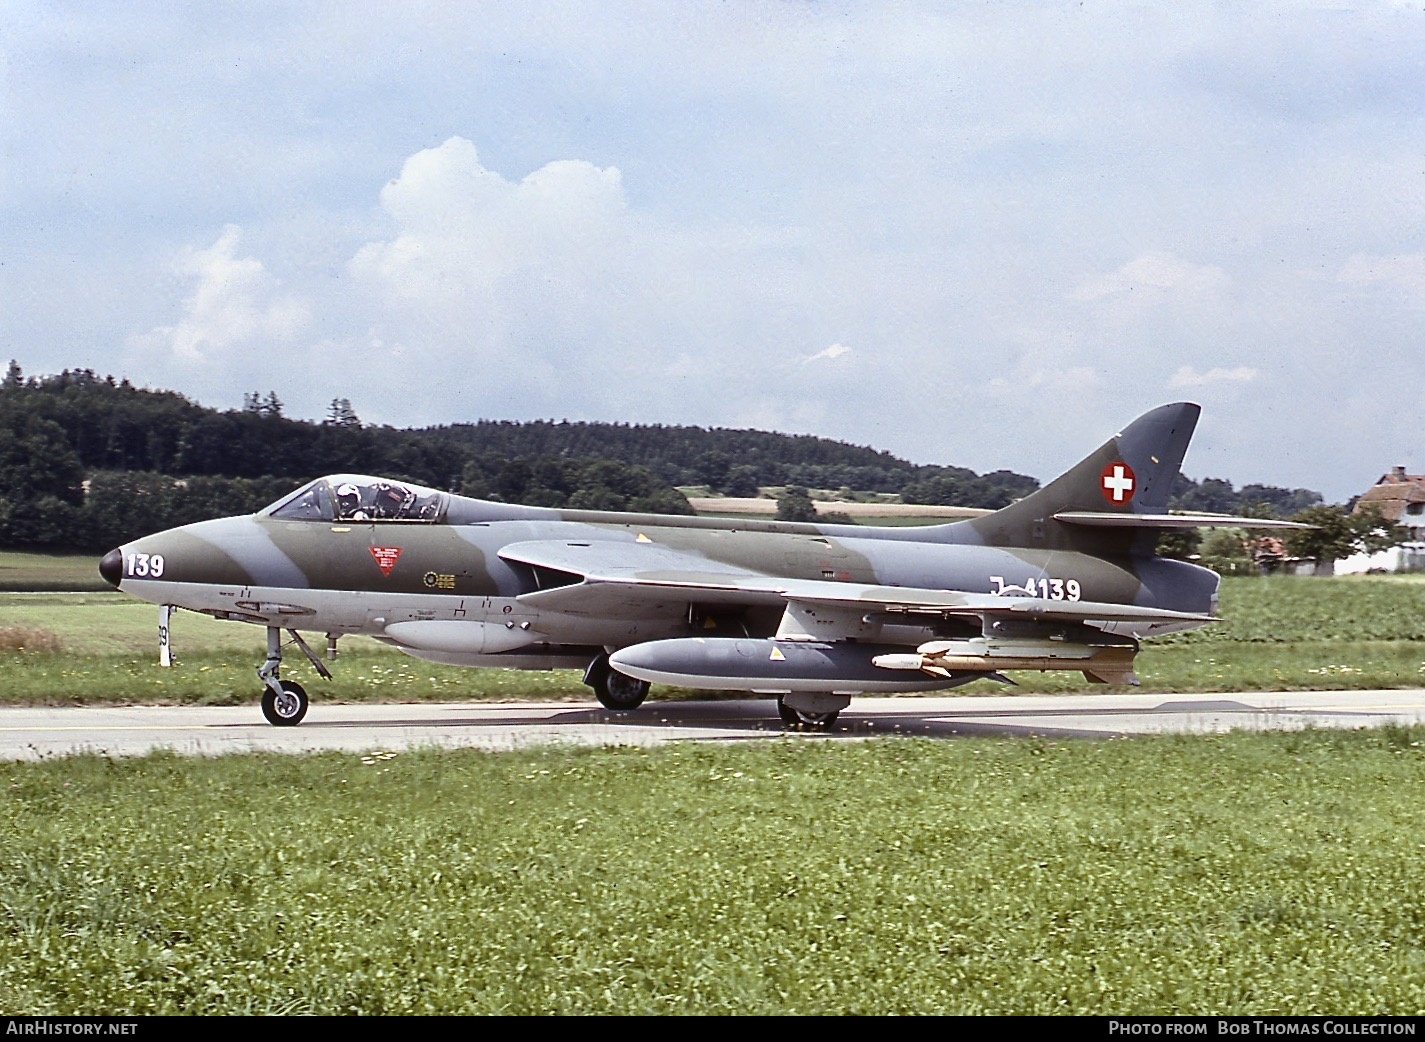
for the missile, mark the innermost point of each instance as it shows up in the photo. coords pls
(1102, 663)
(773, 666)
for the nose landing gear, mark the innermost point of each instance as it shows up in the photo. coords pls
(284, 702)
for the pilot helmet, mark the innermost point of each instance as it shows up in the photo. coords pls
(393, 500)
(348, 498)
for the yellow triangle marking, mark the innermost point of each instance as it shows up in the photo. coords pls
(642, 538)
(777, 655)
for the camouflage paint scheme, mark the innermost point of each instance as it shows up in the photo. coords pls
(802, 610)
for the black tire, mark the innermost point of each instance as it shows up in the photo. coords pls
(288, 709)
(799, 720)
(619, 691)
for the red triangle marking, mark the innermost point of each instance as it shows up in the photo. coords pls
(386, 557)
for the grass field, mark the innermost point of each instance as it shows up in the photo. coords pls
(1276, 634)
(21, 572)
(1236, 874)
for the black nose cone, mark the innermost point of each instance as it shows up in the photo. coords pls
(112, 567)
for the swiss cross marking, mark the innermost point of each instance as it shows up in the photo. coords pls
(1117, 483)
(386, 557)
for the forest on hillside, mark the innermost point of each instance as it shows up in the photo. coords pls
(88, 462)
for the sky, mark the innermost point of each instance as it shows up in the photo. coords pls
(982, 235)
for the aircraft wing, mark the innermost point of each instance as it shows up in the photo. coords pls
(951, 602)
(631, 579)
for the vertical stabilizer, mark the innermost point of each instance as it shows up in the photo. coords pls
(1131, 473)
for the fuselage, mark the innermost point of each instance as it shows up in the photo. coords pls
(364, 574)
(1066, 578)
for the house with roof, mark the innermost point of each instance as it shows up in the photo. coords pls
(1400, 498)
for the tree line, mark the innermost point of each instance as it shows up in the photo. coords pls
(88, 462)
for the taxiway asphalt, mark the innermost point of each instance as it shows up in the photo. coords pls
(35, 733)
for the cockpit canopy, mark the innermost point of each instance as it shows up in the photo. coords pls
(358, 497)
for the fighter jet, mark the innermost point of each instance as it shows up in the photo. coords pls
(1067, 578)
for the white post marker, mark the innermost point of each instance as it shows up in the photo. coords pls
(165, 646)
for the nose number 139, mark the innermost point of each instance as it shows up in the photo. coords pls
(143, 566)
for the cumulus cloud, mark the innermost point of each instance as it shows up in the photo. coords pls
(1153, 272)
(1406, 270)
(1077, 383)
(1187, 376)
(539, 277)
(585, 305)
(462, 227)
(1159, 307)
(234, 305)
(831, 353)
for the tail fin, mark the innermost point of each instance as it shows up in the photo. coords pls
(1130, 474)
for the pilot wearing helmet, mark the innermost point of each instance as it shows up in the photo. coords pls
(348, 503)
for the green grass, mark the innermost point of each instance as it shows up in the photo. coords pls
(1238, 874)
(21, 571)
(109, 654)
(1294, 609)
(110, 623)
(1276, 634)
(1288, 633)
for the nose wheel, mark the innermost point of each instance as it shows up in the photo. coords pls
(286, 706)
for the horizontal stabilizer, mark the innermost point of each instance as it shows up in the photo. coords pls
(1106, 520)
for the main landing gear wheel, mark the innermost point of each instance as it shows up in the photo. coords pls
(286, 709)
(801, 720)
(614, 690)
(621, 692)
